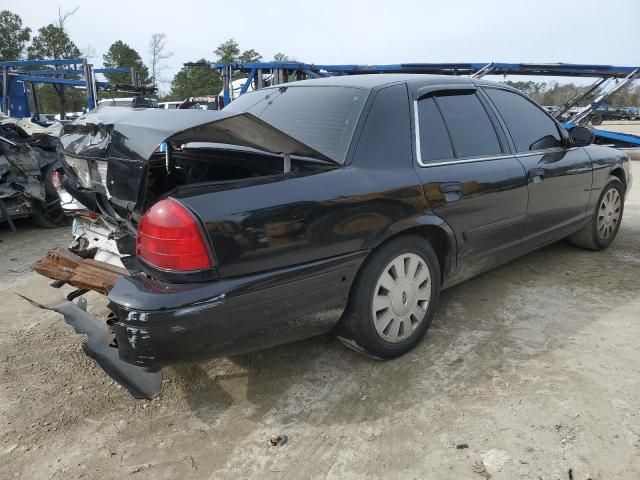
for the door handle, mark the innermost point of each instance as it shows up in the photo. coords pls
(537, 174)
(452, 191)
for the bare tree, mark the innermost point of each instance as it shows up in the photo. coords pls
(158, 53)
(88, 52)
(64, 16)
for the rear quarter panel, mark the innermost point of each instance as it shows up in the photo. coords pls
(296, 219)
(301, 219)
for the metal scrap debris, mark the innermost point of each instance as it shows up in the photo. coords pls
(82, 273)
(27, 158)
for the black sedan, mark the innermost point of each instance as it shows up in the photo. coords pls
(342, 204)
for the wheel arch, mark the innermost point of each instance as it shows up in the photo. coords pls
(431, 227)
(618, 172)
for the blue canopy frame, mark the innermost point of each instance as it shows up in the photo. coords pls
(282, 72)
(16, 74)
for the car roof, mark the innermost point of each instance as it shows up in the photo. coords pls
(378, 80)
(370, 81)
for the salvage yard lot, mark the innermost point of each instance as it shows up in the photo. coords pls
(533, 367)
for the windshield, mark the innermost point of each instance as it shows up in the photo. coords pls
(322, 117)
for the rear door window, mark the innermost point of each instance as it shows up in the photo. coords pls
(530, 127)
(470, 128)
(434, 139)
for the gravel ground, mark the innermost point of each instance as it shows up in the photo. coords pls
(529, 371)
(621, 126)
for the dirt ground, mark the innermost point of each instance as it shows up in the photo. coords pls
(530, 371)
(621, 126)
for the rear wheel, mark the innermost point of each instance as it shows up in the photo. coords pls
(393, 299)
(604, 222)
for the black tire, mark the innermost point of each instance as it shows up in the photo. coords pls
(589, 237)
(357, 329)
(48, 214)
(596, 120)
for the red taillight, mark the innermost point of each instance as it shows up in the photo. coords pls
(169, 238)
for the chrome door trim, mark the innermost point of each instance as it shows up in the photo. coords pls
(416, 121)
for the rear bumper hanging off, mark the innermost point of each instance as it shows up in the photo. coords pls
(155, 324)
(141, 382)
(87, 274)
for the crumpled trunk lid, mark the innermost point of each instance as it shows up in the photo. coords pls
(108, 148)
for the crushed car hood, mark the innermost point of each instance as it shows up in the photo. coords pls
(134, 134)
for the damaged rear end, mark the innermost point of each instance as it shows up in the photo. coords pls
(90, 275)
(136, 241)
(119, 162)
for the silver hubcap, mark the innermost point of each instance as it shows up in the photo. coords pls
(609, 213)
(401, 297)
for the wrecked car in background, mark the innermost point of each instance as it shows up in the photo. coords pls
(28, 164)
(342, 203)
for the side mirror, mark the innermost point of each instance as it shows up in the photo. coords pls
(581, 136)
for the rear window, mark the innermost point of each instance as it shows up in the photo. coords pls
(323, 118)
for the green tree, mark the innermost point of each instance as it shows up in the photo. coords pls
(529, 87)
(122, 55)
(281, 57)
(195, 82)
(13, 35)
(53, 43)
(250, 56)
(228, 52)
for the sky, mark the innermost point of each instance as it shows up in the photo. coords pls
(357, 31)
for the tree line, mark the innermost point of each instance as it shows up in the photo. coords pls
(53, 41)
(554, 93)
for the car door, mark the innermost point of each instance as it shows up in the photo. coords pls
(469, 177)
(559, 176)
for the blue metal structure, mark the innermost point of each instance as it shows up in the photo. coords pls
(17, 74)
(282, 72)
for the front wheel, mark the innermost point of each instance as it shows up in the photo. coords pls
(393, 299)
(604, 222)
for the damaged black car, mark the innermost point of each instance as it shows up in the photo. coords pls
(343, 204)
(28, 166)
